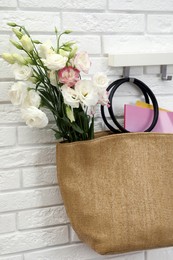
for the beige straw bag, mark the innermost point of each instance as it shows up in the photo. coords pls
(118, 190)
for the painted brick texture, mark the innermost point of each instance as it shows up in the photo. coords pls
(33, 221)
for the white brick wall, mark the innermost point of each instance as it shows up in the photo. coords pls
(14, 257)
(27, 240)
(106, 22)
(9, 180)
(7, 223)
(8, 3)
(33, 221)
(142, 5)
(4, 87)
(41, 22)
(24, 199)
(160, 23)
(42, 217)
(63, 4)
(39, 176)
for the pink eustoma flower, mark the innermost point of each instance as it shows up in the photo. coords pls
(68, 76)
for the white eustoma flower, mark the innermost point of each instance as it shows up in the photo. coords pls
(34, 117)
(103, 98)
(87, 93)
(27, 43)
(22, 72)
(100, 81)
(31, 99)
(70, 96)
(82, 62)
(18, 92)
(55, 61)
(45, 49)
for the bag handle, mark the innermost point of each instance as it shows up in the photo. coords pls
(147, 94)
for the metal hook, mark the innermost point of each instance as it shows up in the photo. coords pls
(126, 72)
(164, 73)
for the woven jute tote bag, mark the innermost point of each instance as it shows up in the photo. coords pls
(118, 190)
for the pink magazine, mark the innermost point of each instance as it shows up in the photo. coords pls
(137, 119)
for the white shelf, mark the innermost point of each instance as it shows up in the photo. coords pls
(139, 59)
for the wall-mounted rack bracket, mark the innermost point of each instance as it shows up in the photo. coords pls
(126, 72)
(164, 73)
(127, 60)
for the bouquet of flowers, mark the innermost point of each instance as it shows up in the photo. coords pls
(49, 77)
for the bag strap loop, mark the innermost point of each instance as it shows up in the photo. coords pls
(147, 94)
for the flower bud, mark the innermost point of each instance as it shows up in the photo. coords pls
(19, 59)
(27, 43)
(30, 61)
(37, 42)
(17, 33)
(63, 53)
(8, 57)
(67, 48)
(16, 44)
(73, 52)
(34, 80)
(12, 24)
(67, 31)
(70, 114)
(56, 30)
(70, 43)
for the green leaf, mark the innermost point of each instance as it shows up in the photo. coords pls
(65, 120)
(37, 85)
(58, 134)
(77, 128)
(91, 129)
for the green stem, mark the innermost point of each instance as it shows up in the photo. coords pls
(58, 41)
